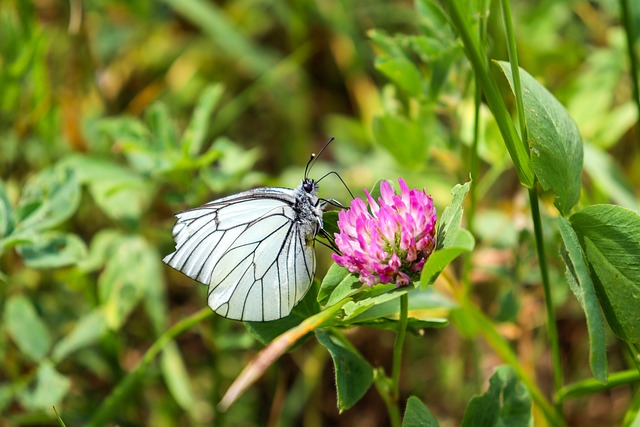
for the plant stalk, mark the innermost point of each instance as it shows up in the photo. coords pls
(397, 348)
(125, 387)
(633, 58)
(552, 329)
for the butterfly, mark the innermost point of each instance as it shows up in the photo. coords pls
(254, 250)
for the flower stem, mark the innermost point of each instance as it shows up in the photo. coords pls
(397, 348)
(552, 329)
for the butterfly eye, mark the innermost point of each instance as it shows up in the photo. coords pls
(308, 185)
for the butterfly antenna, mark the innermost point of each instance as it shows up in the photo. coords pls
(314, 157)
(341, 180)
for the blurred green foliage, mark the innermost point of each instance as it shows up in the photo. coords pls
(115, 115)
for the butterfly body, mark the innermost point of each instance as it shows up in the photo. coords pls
(254, 250)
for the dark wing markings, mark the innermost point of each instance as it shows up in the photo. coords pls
(232, 247)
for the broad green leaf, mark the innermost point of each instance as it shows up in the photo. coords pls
(193, 138)
(353, 373)
(175, 375)
(234, 166)
(337, 281)
(388, 45)
(163, 131)
(121, 193)
(578, 276)
(378, 294)
(451, 218)
(506, 403)
(462, 241)
(26, 328)
(133, 266)
(330, 222)
(48, 199)
(554, 139)
(53, 250)
(428, 305)
(100, 249)
(610, 237)
(417, 414)
(401, 71)
(87, 331)
(403, 138)
(50, 388)
(451, 240)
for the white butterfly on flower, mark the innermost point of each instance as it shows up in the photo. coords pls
(254, 250)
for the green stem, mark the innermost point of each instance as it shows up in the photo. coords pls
(123, 390)
(515, 70)
(633, 59)
(519, 154)
(397, 348)
(383, 385)
(592, 386)
(552, 329)
(389, 388)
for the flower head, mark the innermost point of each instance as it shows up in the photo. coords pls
(389, 241)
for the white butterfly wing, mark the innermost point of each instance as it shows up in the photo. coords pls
(252, 251)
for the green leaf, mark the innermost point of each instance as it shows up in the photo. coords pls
(368, 298)
(175, 375)
(196, 131)
(402, 72)
(578, 276)
(26, 328)
(6, 222)
(353, 373)
(53, 250)
(610, 238)
(428, 305)
(48, 199)
(450, 220)
(462, 241)
(338, 283)
(121, 193)
(417, 414)
(164, 132)
(388, 45)
(506, 403)
(133, 266)
(554, 139)
(87, 331)
(402, 137)
(100, 250)
(451, 240)
(50, 388)
(330, 222)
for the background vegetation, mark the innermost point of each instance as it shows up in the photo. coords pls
(114, 115)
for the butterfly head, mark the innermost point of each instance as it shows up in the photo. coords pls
(310, 186)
